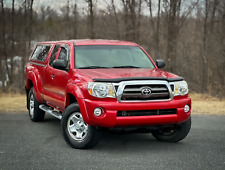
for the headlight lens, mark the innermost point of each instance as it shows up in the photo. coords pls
(180, 88)
(101, 90)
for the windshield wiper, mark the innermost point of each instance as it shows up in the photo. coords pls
(125, 67)
(96, 67)
(91, 67)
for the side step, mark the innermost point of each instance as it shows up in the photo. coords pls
(50, 111)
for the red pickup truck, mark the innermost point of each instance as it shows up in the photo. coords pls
(96, 84)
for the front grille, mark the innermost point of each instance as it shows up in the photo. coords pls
(146, 112)
(134, 92)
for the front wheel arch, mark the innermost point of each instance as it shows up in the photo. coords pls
(71, 98)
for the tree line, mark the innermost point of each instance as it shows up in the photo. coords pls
(188, 35)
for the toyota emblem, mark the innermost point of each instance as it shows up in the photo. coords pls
(146, 91)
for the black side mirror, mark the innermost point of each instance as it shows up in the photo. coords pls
(60, 64)
(160, 63)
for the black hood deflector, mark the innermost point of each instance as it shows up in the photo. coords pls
(117, 80)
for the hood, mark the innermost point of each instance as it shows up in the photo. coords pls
(117, 75)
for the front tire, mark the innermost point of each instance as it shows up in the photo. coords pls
(35, 113)
(75, 131)
(173, 134)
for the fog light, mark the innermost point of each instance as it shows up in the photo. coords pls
(98, 111)
(186, 108)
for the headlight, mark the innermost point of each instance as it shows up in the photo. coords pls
(101, 90)
(180, 88)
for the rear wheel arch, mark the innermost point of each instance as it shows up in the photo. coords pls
(33, 80)
(29, 85)
(35, 113)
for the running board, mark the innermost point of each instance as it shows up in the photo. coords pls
(50, 111)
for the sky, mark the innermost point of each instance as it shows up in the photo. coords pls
(57, 4)
(82, 5)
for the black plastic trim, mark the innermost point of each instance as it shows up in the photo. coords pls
(146, 112)
(117, 80)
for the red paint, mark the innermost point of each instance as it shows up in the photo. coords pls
(119, 73)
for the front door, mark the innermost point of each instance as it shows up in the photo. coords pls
(56, 79)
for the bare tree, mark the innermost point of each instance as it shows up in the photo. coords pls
(75, 20)
(155, 24)
(172, 32)
(132, 15)
(12, 44)
(116, 19)
(2, 56)
(30, 25)
(91, 18)
(210, 8)
(5, 65)
(175, 21)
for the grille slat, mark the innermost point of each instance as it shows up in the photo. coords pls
(160, 89)
(131, 90)
(132, 94)
(160, 94)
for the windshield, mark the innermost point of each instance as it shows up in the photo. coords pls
(111, 56)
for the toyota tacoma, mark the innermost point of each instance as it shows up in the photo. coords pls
(105, 84)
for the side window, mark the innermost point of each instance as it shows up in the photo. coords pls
(54, 53)
(63, 54)
(40, 53)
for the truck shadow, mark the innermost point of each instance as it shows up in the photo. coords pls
(135, 142)
(120, 141)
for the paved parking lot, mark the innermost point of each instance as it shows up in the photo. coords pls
(28, 145)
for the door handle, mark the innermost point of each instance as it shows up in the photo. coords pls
(52, 76)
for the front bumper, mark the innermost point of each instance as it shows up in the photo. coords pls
(110, 119)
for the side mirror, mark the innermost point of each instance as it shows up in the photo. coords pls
(60, 64)
(160, 63)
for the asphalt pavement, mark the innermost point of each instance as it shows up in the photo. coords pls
(28, 145)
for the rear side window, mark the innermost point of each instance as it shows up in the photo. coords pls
(40, 53)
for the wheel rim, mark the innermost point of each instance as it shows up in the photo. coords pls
(76, 126)
(31, 106)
